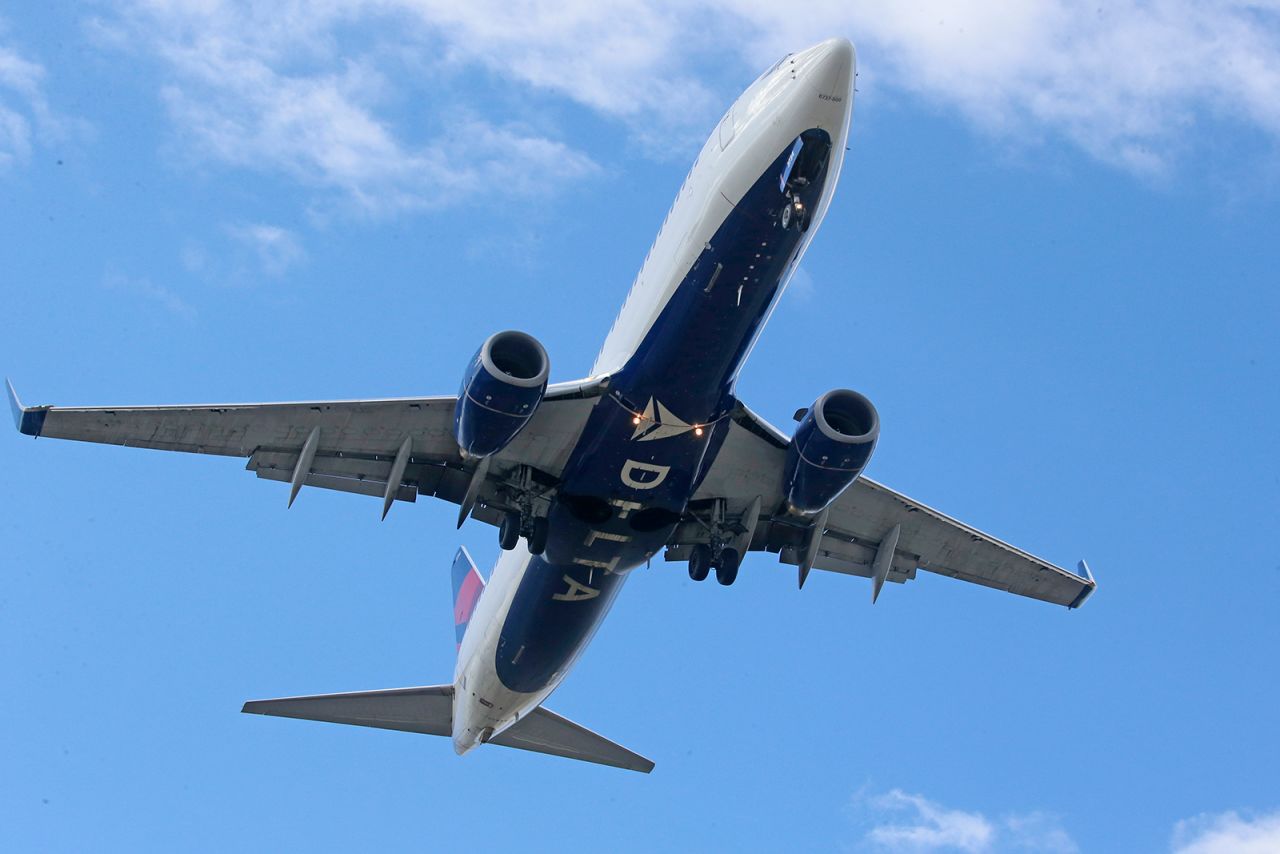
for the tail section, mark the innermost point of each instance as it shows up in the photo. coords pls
(429, 710)
(467, 587)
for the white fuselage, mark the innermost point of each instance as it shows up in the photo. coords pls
(811, 89)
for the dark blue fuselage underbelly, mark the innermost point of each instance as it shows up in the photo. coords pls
(626, 484)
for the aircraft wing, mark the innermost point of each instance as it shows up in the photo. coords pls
(357, 446)
(864, 518)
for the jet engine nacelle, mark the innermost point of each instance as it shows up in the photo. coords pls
(501, 390)
(830, 448)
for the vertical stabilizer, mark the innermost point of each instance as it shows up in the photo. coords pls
(467, 587)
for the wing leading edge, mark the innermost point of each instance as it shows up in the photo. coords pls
(750, 464)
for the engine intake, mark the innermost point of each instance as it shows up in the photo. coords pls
(830, 448)
(500, 392)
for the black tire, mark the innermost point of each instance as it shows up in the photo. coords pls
(538, 536)
(509, 532)
(727, 567)
(802, 220)
(700, 563)
(785, 219)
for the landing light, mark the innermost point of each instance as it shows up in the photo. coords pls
(697, 431)
(636, 420)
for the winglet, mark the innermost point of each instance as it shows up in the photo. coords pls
(28, 421)
(1088, 591)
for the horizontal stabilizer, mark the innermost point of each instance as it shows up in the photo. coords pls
(543, 731)
(429, 710)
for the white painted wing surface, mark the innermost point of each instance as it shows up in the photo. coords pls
(750, 463)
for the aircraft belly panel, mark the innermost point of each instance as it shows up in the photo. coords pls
(555, 612)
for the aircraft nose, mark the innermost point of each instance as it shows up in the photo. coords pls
(829, 67)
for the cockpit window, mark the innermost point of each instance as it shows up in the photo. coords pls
(773, 68)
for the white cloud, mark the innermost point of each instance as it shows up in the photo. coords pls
(23, 107)
(1126, 81)
(146, 289)
(310, 88)
(927, 826)
(274, 88)
(903, 822)
(1228, 833)
(276, 249)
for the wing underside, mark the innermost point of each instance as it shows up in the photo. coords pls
(394, 449)
(860, 521)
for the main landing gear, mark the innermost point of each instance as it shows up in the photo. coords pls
(516, 525)
(723, 560)
(522, 519)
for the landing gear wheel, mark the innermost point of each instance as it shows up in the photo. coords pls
(509, 531)
(785, 219)
(727, 567)
(538, 536)
(700, 562)
(802, 219)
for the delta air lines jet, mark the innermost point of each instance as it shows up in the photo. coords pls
(651, 454)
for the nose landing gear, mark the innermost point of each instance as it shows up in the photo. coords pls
(794, 213)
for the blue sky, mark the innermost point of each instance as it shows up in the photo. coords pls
(1051, 263)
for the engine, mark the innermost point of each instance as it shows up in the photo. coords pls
(830, 448)
(500, 392)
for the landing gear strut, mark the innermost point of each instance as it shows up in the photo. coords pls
(522, 521)
(718, 554)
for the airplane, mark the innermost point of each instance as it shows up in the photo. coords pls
(652, 452)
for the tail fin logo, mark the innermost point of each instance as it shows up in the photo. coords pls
(467, 587)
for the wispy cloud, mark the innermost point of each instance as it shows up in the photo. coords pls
(24, 110)
(311, 89)
(904, 822)
(276, 89)
(276, 248)
(243, 254)
(1228, 833)
(143, 288)
(1129, 82)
